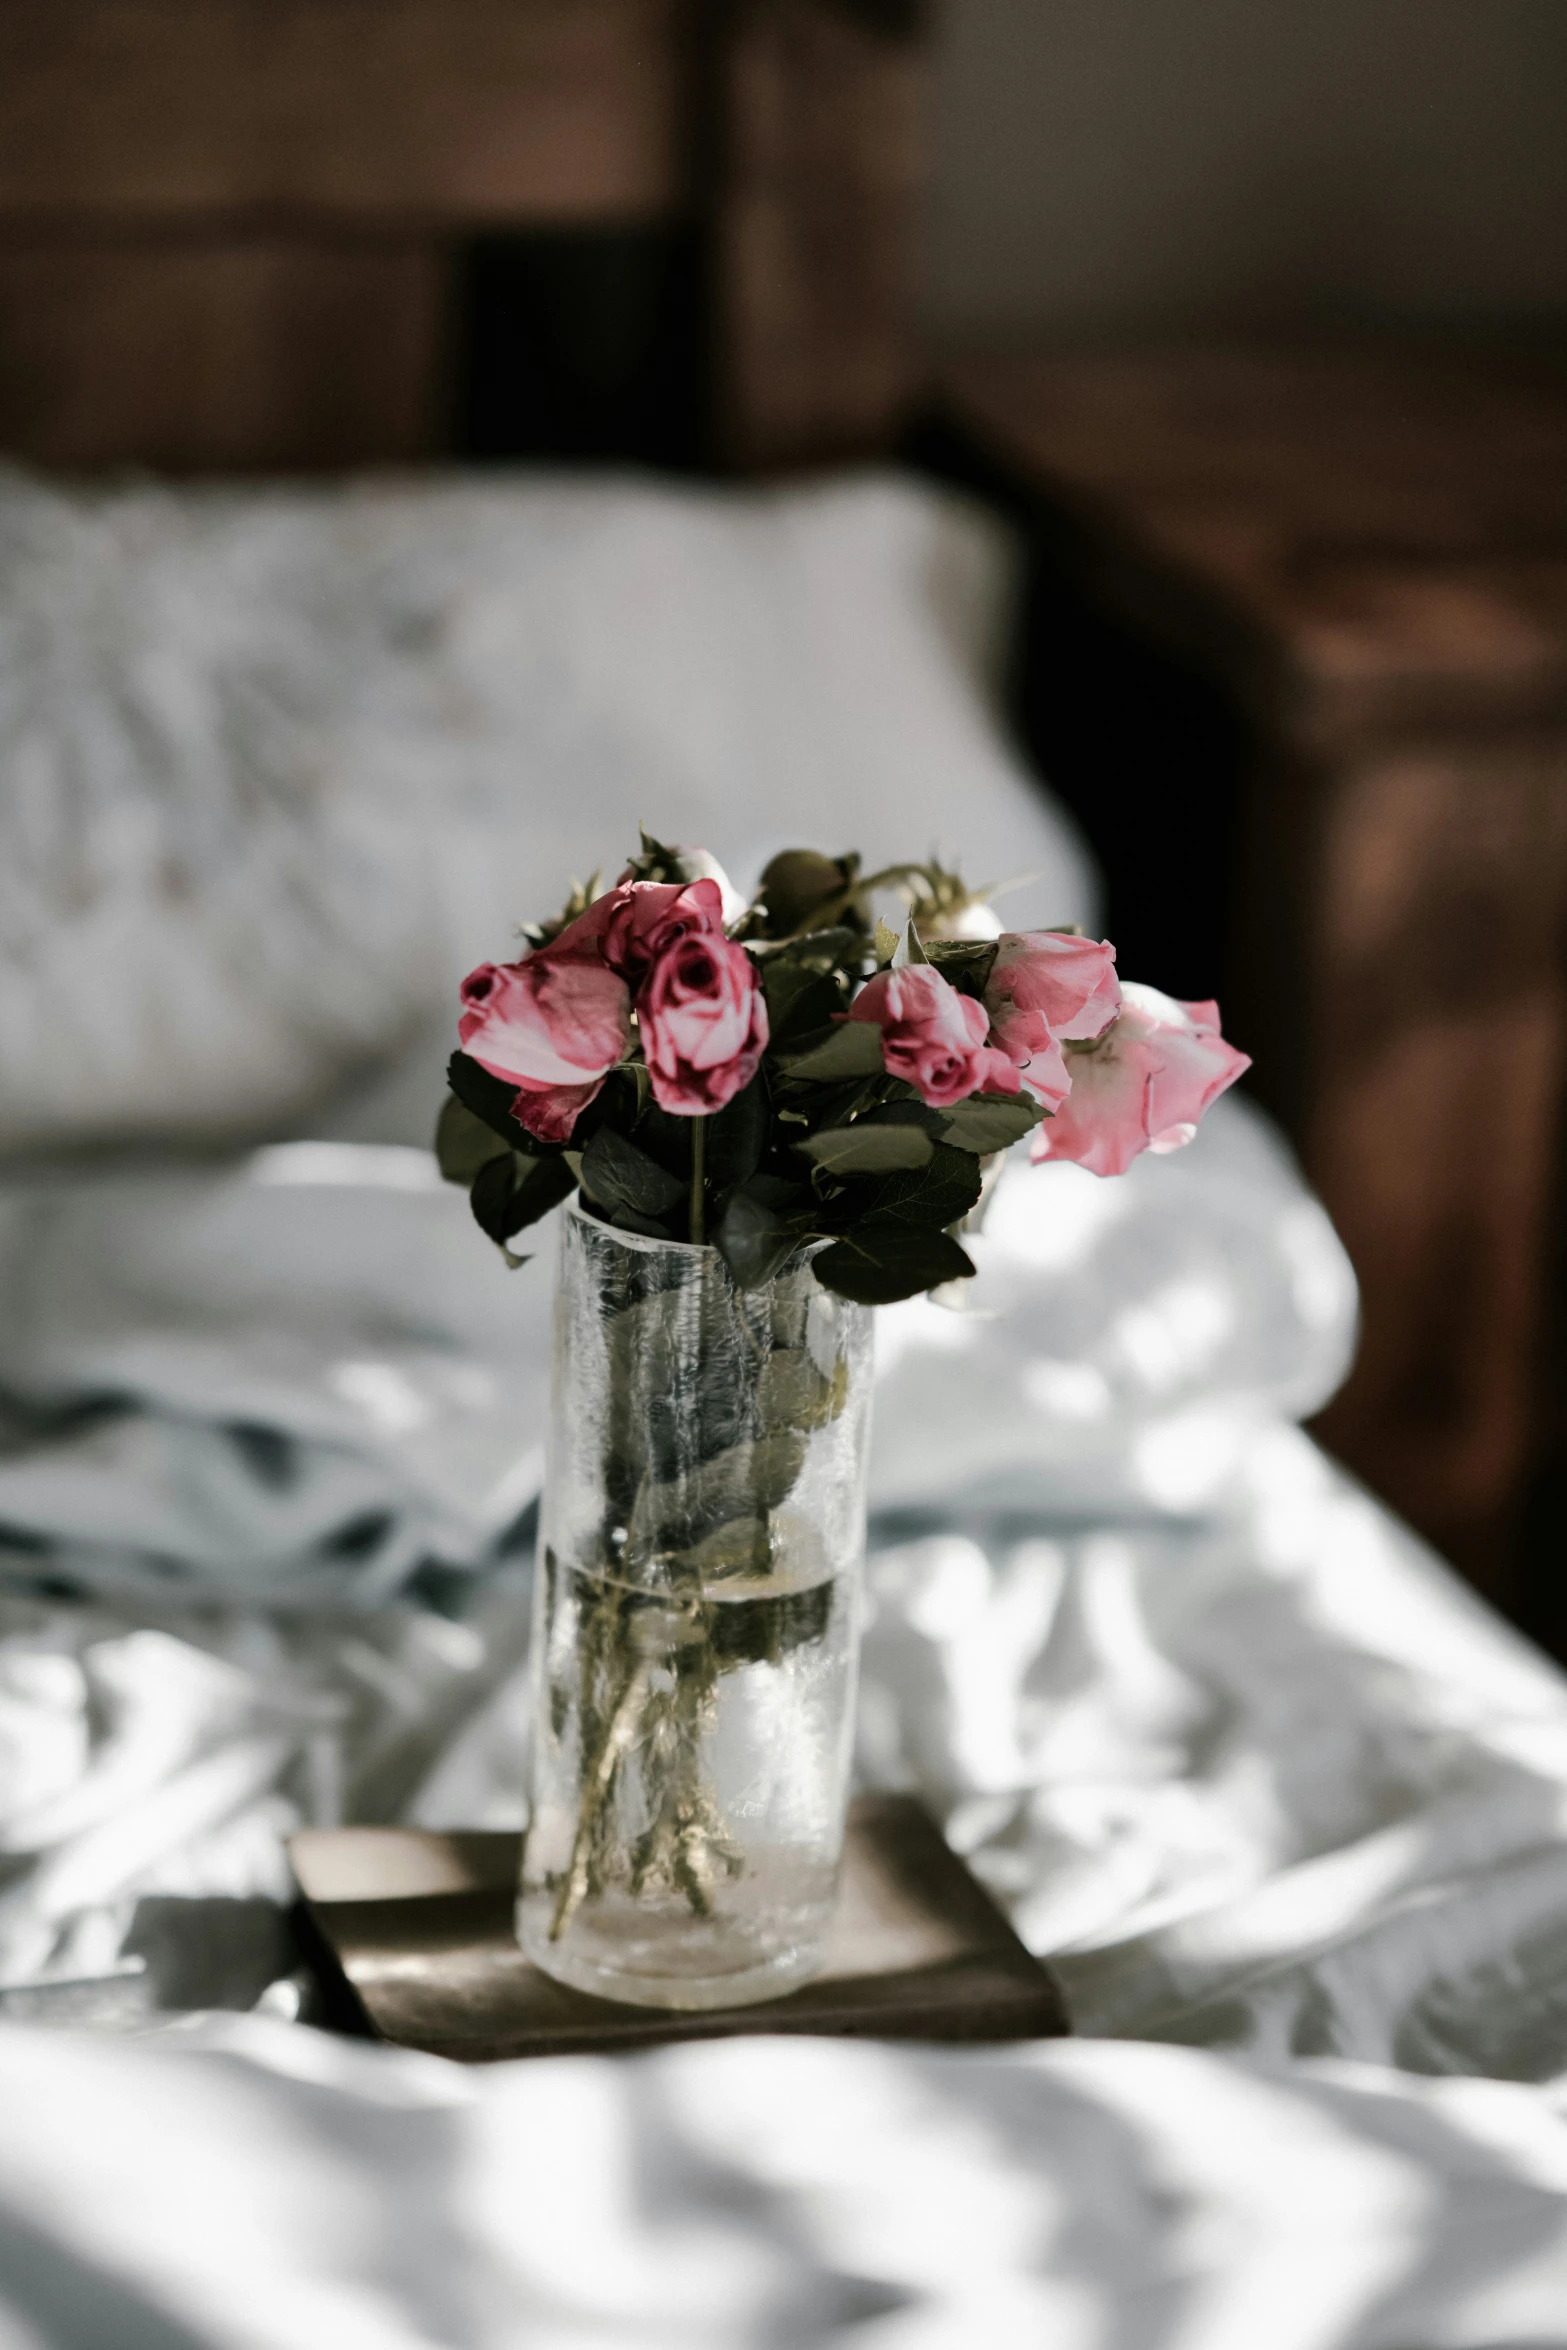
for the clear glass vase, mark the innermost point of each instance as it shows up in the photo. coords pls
(696, 1629)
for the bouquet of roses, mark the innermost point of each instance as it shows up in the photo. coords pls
(759, 1076)
(755, 1078)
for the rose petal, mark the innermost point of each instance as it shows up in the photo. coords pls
(1144, 1085)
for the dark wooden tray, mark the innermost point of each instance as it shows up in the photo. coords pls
(417, 1928)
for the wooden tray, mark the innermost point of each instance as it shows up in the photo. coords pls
(413, 1931)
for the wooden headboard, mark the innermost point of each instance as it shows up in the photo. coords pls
(250, 234)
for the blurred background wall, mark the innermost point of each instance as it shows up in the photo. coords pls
(1147, 162)
(1258, 311)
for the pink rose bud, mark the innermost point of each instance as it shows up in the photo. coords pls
(1143, 1085)
(1046, 987)
(703, 1019)
(933, 1037)
(553, 1025)
(648, 917)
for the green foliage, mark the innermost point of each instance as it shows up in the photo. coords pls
(852, 1049)
(658, 1134)
(964, 963)
(800, 1000)
(877, 1264)
(793, 1393)
(625, 1182)
(514, 1190)
(464, 1143)
(655, 861)
(763, 1223)
(940, 1192)
(867, 1148)
(989, 1122)
(490, 1099)
(737, 1137)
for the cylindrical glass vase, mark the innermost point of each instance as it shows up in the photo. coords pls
(696, 1627)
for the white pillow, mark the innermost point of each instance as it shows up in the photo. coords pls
(277, 765)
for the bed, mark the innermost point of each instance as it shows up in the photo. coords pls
(1283, 1804)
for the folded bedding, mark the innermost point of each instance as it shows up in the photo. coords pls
(1283, 1804)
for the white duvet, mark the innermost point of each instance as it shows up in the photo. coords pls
(1285, 1806)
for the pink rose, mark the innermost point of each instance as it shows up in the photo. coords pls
(1143, 1085)
(932, 1036)
(582, 941)
(703, 1019)
(630, 925)
(552, 1111)
(553, 1025)
(647, 917)
(1045, 987)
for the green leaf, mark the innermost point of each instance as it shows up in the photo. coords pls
(515, 1190)
(904, 1108)
(649, 1346)
(773, 1625)
(837, 948)
(799, 999)
(746, 1481)
(939, 1193)
(817, 1107)
(755, 1233)
(741, 1546)
(624, 1181)
(793, 1393)
(662, 1137)
(868, 1148)
(490, 1099)
(656, 861)
(886, 944)
(965, 963)
(650, 1227)
(736, 1138)
(615, 1104)
(991, 1121)
(464, 1143)
(852, 1049)
(878, 1264)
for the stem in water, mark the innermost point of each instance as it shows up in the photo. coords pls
(698, 1136)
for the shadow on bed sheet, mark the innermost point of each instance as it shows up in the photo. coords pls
(1275, 1785)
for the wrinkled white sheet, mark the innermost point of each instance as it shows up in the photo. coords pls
(246, 2186)
(1238, 1753)
(1232, 1746)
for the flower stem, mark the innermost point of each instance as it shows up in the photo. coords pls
(698, 1137)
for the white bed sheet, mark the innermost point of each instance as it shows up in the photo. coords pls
(241, 2185)
(1239, 1753)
